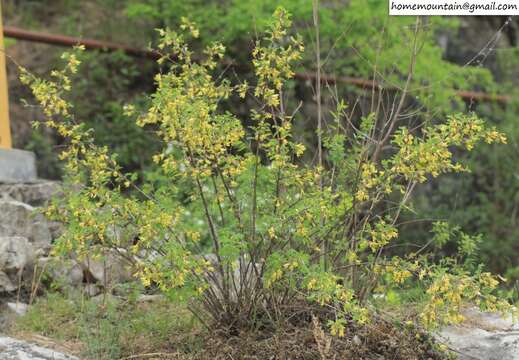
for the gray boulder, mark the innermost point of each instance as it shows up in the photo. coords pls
(483, 336)
(112, 268)
(16, 253)
(62, 271)
(19, 219)
(18, 308)
(12, 349)
(16, 258)
(6, 285)
(243, 271)
(17, 166)
(38, 193)
(92, 290)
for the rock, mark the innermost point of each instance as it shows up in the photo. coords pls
(145, 298)
(11, 349)
(124, 236)
(16, 258)
(357, 341)
(19, 219)
(55, 228)
(111, 269)
(61, 271)
(483, 336)
(92, 290)
(18, 308)
(17, 166)
(38, 193)
(244, 272)
(6, 285)
(16, 253)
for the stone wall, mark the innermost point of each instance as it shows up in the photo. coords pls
(26, 237)
(25, 234)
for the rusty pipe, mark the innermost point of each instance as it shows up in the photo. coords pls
(91, 44)
(62, 40)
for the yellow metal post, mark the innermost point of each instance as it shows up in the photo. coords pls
(5, 130)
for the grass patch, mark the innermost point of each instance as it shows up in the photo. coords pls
(109, 327)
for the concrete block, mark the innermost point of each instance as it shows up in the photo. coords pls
(17, 166)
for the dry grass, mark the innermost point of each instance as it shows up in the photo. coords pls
(380, 340)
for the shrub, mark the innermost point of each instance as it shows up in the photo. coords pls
(278, 230)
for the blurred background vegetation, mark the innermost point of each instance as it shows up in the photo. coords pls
(358, 40)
